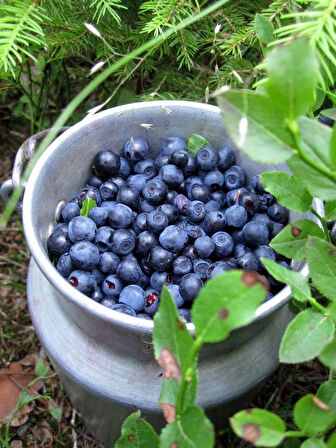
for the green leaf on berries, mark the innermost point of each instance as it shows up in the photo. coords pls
(332, 441)
(264, 30)
(226, 302)
(298, 283)
(306, 336)
(292, 240)
(328, 355)
(170, 390)
(327, 393)
(195, 142)
(171, 338)
(193, 430)
(259, 427)
(87, 206)
(332, 149)
(330, 209)
(292, 79)
(264, 137)
(136, 432)
(313, 443)
(288, 190)
(312, 415)
(315, 138)
(321, 257)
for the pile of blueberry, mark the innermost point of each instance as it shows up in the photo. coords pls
(178, 220)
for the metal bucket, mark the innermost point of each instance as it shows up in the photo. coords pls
(104, 358)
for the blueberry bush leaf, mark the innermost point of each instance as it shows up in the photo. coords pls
(226, 302)
(327, 393)
(88, 204)
(258, 426)
(195, 142)
(330, 209)
(292, 78)
(264, 30)
(315, 138)
(298, 283)
(266, 138)
(333, 149)
(288, 190)
(136, 432)
(193, 430)
(312, 415)
(321, 257)
(170, 389)
(328, 355)
(313, 443)
(292, 240)
(171, 339)
(306, 336)
(332, 441)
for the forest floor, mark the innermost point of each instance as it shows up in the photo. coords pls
(35, 427)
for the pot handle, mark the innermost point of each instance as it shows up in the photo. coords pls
(23, 155)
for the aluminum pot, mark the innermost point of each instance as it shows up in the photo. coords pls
(104, 358)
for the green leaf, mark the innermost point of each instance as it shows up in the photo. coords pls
(170, 390)
(331, 311)
(266, 139)
(292, 240)
(193, 430)
(330, 113)
(328, 355)
(41, 369)
(56, 412)
(226, 302)
(306, 336)
(171, 338)
(298, 283)
(321, 257)
(332, 441)
(88, 204)
(264, 30)
(292, 77)
(313, 443)
(330, 209)
(311, 415)
(26, 398)
(137, 433)
(317, 184)
(195, 142)
(258, 426)
(327, 393)
(333, 149)
(288, 190)
(315, 139)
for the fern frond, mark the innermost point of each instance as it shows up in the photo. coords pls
(103, 7)
(19, 29)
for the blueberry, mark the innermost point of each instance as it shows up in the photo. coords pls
(212, 206)
(108, 190)
(232, 261)
(190, 252)
(265, 200)
(236, 216)
(145, 207)
(97, 294)
(257, 185)
(255, 233)
(176, 294)
(219, 196)
(181, 203)
(140, 223)
(161, 160)
(264, 251)
(184, 315)
(264, 219)
(106, 163)
(112, 286)
(191, 167)
(234, 177)
(173, 238)
(196, 211)
(232, 196)
(103, 238)
(214, 221)
(95, 181)
(201, 267)
(69, 211)
(223, 244)
(143, 281)
(120, 216)
(152, 301)
(129, 271)
(83, 281)
(98, 274)
(207, 158)
(238, 237)
(155, 191)
(191, 229)
(146, 267)
(171, 176)
(122, 308)
(82, 228)
(199, 193)
(118, 180)
(278, 213)
(182, 265)
(99, 215)
(218, 268)
(137, 181)
(84, 255)
(128, 196)
(108, 205)
(204, 246)
(108, 262)
(170, 211)
(160, 259)
(179, 158)
(157, 221)
(190, 286)
(171, 145)
(145, 242)
(191, 181)
(109, 302)
(147, 168)
(276, 228)
(226, 158)
(58, 242)
(249, 261)
(326, 120)
(133, 296)
(65, 265)
(158, 279)
(136, 149)
(123, 242)
(125, 167)
(214, 180)
(171, 195)
(250, 201)
(240, 250)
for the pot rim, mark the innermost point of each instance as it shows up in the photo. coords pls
(76, 297)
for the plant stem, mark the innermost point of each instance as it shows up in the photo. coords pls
(331, 375)
(317, 305)
(323, 221)
(294, 434)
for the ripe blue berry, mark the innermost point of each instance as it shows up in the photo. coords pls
(123, 242)
(171, 176)
(201, 267)
(136, 149)
(147, 168)
(234, 178)
(255, 233)
(181, 203)
(176, 294)
(69, 211)
(103, 238)
(120, 216)
(99, 215)
(249, 261)
(137, 181)
(108, 191)
(82, 228)
(182, 265)
(171, 145)
(199, 193)
(145, 242)
(157, 221)
(65, 265)
(160, 259)
(207, 158)
(133, 296)
(278, 213)
(196, 211)
(158, 279)
(214, 221)
(152, 301)
(173, 238)
(190, 285)
(125, 168)
(179, 158)
(236, 216)
(223, 244)
(129, 271)
(155, 191)
(214, 180)
(204, 246)
(122, 308)
(83, 281)
(58, 242)
(108, 262)
(84, 255)
(112, 286)
(226, 158)
(106, 163)
(264, 251)
(128, 196)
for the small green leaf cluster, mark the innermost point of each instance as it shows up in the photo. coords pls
(226, 302)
